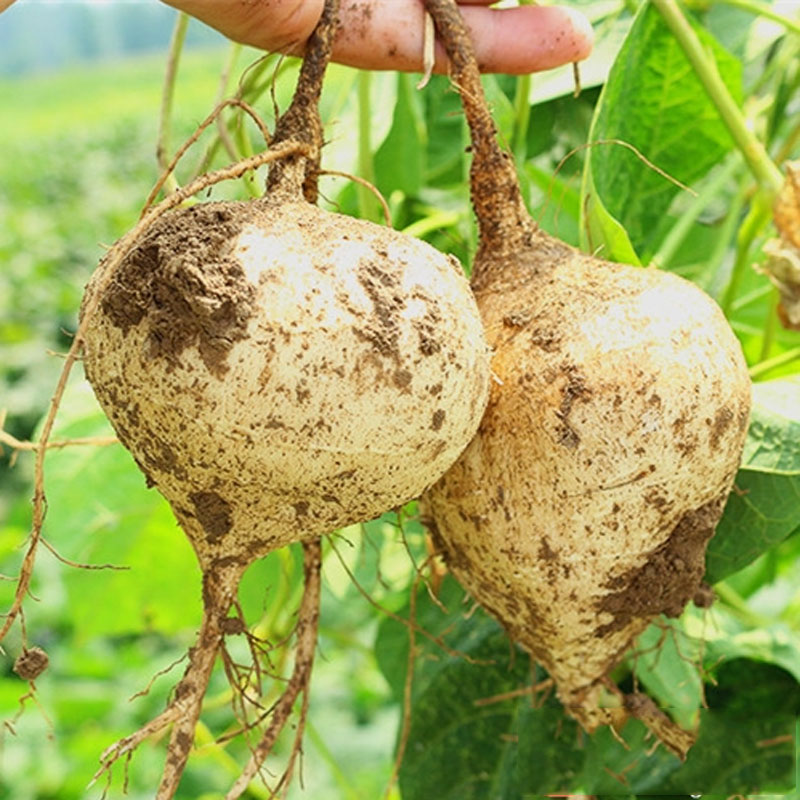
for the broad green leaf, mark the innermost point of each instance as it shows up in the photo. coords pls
(601, 234)
(665, 662)
(476, 734)
(653, 102)
(101, 512)
(501, 107)
(746, 740)
(400, 160)
(777, 644)
(764, 508)
(773, 440)
(444, 122)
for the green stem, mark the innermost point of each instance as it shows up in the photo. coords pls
(168, 95)
(433, 222)
(209, 748)
(727, 233)
(737, 605)
(766, 173)
(759, 370)
(681, 228)
(763, 10)
(756, 219)
(268, 626)
(346, 788)
(522, 116)
(367, 203)
(770, 325)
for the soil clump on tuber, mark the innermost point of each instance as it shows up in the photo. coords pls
(617, 415)
(277, 372)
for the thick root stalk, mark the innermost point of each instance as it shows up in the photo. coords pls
(503, 220)
(219, 592)
(301, 123)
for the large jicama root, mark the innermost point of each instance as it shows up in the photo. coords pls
(278, 372)
(615, 425)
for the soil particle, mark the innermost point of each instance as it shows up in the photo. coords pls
(402, 378)
(574, 390)
(31, 663)
(213, 513)
(301, 508)
(426, 329)
(722, 421)
(704, 596)
(546, 553)
(184, 741)
(545, 340)
(518, 318)
(670, 576)
(232, 626)
(381, 329)
(183, 284)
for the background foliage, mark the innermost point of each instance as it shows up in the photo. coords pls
(78, 161)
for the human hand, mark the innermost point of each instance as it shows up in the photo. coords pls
(388, 34)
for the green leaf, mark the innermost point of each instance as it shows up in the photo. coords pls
(475, 733)
(600, 232)
(665, 664)
(746, 739)
(773, 440)
(764, 508)
(652, 102)
(99, 511)
(447, 137)
(777, 644)
(400, 160)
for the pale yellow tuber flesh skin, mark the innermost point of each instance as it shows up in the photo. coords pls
(582, 508)
(279, 372)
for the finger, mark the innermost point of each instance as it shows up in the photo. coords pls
(514, 40)
(388, 34)
(272, 25)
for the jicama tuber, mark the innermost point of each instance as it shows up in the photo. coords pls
(278, 371)
(615, 425)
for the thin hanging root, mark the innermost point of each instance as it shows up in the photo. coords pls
(111, 262)
(19, 445)
(367, 185)
(126, 746)
(219, 591)
(408, 686)
(182, 150)
(409, 623)
(306, 633)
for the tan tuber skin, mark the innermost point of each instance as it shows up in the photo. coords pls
(278, 372)
(616, 420)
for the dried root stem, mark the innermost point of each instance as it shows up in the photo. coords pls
(183, 712)
(219, 590)
(306, 635)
